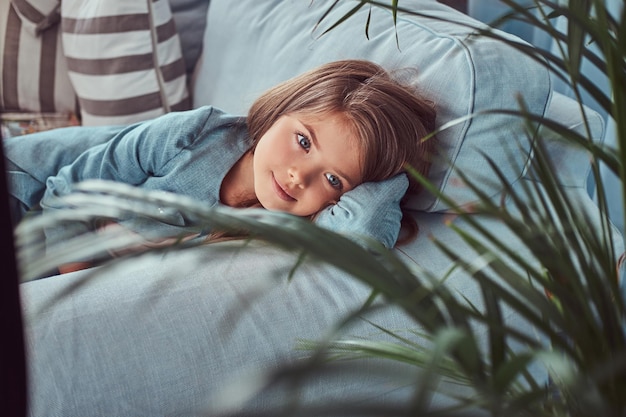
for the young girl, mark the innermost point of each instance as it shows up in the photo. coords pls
(330, 144)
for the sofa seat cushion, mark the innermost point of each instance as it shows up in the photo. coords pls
(167, 334)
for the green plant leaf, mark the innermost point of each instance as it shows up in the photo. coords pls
(576, 37)
(342, 19)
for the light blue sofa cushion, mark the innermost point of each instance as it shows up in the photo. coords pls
(460, 74)
(167, 334)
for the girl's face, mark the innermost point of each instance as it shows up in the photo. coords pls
(304, 163)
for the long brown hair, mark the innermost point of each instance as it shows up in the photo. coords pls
(389, 118)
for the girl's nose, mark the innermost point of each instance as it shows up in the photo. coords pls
(297, 177)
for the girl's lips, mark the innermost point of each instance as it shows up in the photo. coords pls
(280, 191)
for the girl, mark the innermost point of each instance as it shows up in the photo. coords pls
(329, 144)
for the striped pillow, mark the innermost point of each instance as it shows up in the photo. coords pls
(124, 59)
(32, 66)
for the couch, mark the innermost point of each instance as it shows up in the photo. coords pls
(190, 332)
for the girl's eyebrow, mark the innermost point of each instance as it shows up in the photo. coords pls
(313, 138)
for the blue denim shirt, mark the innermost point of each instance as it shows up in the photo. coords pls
(187, 153)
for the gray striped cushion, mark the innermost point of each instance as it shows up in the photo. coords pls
(34, 71)
(124, 59)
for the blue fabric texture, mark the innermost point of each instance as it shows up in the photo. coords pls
(167, 335)
(187, 153)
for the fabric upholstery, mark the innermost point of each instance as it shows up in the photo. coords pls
(125, 60)
(168, 341)
(461, 74)
(33, 69)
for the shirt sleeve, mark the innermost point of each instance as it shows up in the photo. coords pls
(369, 211)
(132, 156)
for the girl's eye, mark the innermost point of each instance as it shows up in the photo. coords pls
(303, 141)
(334, 181)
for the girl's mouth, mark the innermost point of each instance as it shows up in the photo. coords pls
(280, 191)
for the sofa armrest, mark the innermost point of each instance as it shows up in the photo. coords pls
(571, 161)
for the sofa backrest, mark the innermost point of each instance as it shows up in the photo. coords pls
(250, 45)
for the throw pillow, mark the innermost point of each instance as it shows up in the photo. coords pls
(32, 67)
(124, 58)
